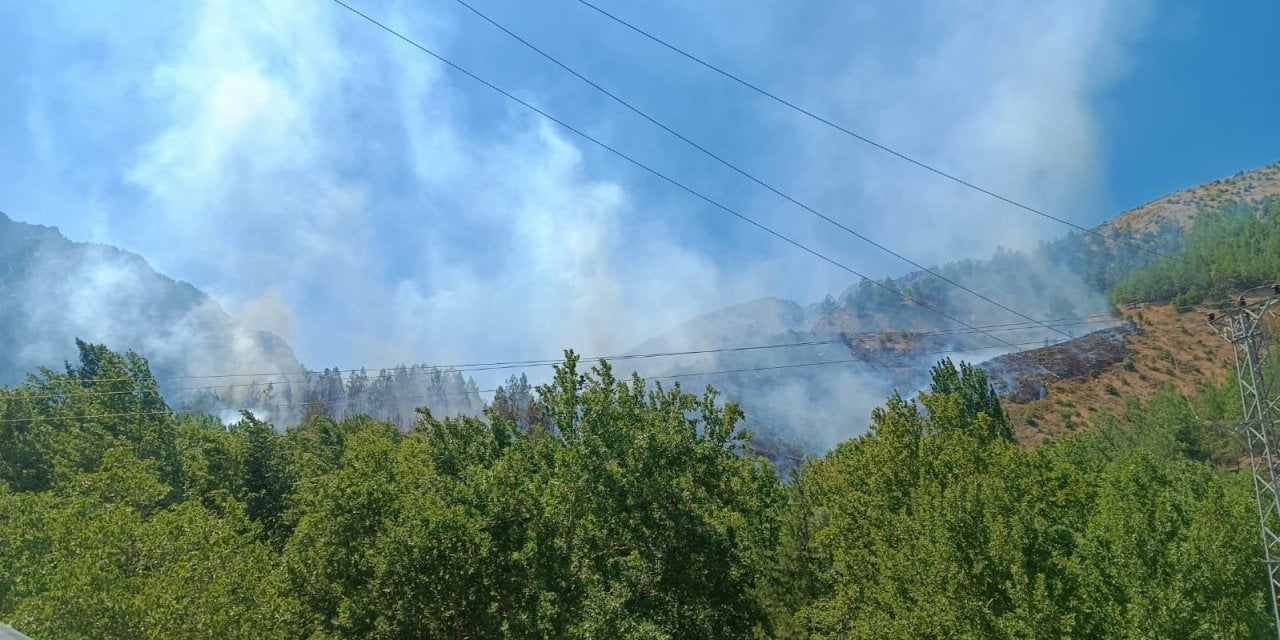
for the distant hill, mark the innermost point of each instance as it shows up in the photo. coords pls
(1181, 207)
(823, 366)
(730, 326)
(877, 341)
(54, 290)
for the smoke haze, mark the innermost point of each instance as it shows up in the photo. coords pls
(329, 184)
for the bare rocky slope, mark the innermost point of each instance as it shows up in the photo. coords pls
(1075, 381)
(1180, 207)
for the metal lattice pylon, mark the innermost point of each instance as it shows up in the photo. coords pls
(1243, 328)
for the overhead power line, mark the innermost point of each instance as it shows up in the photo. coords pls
(305, 376)
(742, 172)
(862, 138)
(468, 392)
(658, 174)
(845, 339)
(1099, 318)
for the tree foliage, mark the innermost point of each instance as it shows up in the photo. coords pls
(1228, 249)
(595, 507)
(590, 507)
(936, 525)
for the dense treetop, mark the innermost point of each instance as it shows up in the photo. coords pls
(1228, 249)
(595, 507)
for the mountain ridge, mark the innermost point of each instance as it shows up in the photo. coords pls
(891, 341)
(1180, 207)
(54, 290)
(52, 286)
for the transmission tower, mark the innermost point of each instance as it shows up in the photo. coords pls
(1245, 329)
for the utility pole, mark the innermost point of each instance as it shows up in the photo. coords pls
(1244, 328)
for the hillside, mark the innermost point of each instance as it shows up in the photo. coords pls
(823, 363)
(1231, 248)
(732, 326)
(889, 340)
(1167, 348)
(1167, 344)
(53, 290)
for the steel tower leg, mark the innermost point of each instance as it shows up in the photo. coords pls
(1243, 328)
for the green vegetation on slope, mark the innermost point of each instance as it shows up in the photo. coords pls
(1056, 280)
(936, 525)
(1228, 249)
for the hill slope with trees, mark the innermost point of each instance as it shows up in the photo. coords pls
(594, 506)
(53, 290)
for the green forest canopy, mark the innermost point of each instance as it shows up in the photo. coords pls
(1227, 250)
(612, 508)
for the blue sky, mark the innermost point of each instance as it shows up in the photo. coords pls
(327, 182)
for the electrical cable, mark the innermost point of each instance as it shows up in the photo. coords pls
(650, 170)
(307, 376)
(882, 147)
(469, 392)
(740, 171)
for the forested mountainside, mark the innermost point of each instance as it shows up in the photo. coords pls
(1230, 252)
(875, 340)
(891, 330)
(54, 291)
(392, 395)
(1233, 247)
